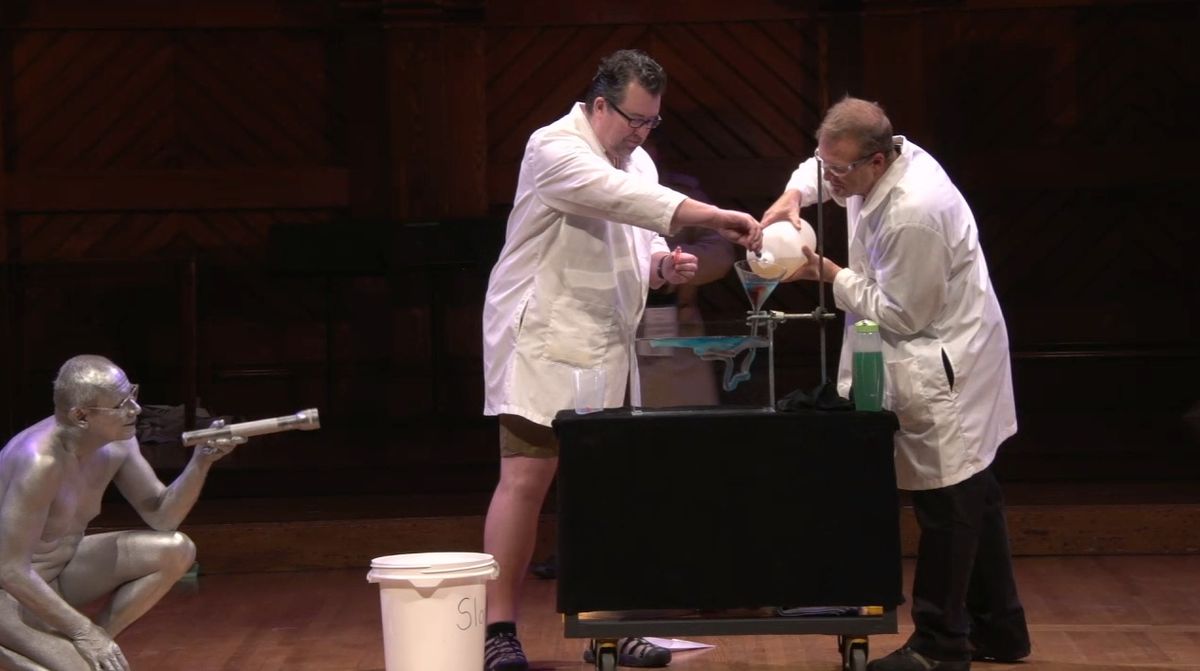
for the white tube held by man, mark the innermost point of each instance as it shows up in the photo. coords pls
(305, 420)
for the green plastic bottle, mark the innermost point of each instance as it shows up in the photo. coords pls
(867, 366)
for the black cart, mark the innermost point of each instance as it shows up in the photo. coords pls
(707, 521)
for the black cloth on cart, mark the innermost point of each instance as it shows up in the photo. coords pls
(726, 509)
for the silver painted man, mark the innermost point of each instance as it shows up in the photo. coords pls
(52, 477)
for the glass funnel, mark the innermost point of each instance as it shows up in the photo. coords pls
(757, 287)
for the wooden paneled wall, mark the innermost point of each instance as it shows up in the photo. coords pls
(264, 205)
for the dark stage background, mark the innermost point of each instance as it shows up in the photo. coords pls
(257, 206)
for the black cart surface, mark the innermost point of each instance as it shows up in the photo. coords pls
(704, 522)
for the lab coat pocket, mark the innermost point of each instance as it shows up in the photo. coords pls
(903, 393)
(579, 333)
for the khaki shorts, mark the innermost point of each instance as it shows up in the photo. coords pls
(520, 437)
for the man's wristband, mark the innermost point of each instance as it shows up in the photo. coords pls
(662, 259)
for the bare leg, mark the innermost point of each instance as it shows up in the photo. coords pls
(25, 647)
(136, 567)
(510, 532)
(11, 661)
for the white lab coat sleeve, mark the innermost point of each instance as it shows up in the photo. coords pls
(804, 179)
(569, 177)
(659, 244)
(911, 267)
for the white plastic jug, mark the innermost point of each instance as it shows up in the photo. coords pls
(781, 249)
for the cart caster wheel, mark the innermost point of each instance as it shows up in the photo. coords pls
(606, 654)
(854, 653)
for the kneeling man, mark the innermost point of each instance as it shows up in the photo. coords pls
(52, 477)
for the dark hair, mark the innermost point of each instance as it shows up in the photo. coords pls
(617, 70)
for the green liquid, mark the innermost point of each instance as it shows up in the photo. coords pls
(868, 381)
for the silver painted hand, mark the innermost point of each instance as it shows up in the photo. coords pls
(221, 446)
(100, 651)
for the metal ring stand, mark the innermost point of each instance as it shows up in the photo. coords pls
(773, 318)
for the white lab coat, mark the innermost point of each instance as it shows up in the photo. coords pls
(916, 268)
(570, 285)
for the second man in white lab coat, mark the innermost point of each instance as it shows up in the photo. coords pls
(916, 268)
(582, 247)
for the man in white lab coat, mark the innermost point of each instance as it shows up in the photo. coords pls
(582, 247)
(916, 268)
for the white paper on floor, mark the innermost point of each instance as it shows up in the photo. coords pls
(679, 644)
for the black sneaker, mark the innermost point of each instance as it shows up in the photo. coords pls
(907, 659)
(503, 652)
(635, 652)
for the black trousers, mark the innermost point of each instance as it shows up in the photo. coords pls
(964, 593)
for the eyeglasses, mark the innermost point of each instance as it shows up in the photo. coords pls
(843, 170)
(128, 403)
(638, 122)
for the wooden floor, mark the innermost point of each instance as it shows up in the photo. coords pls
(1085, 613)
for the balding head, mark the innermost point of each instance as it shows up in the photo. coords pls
(82, 380)
(859, 120)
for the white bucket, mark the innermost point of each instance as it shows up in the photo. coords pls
(433, 606)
